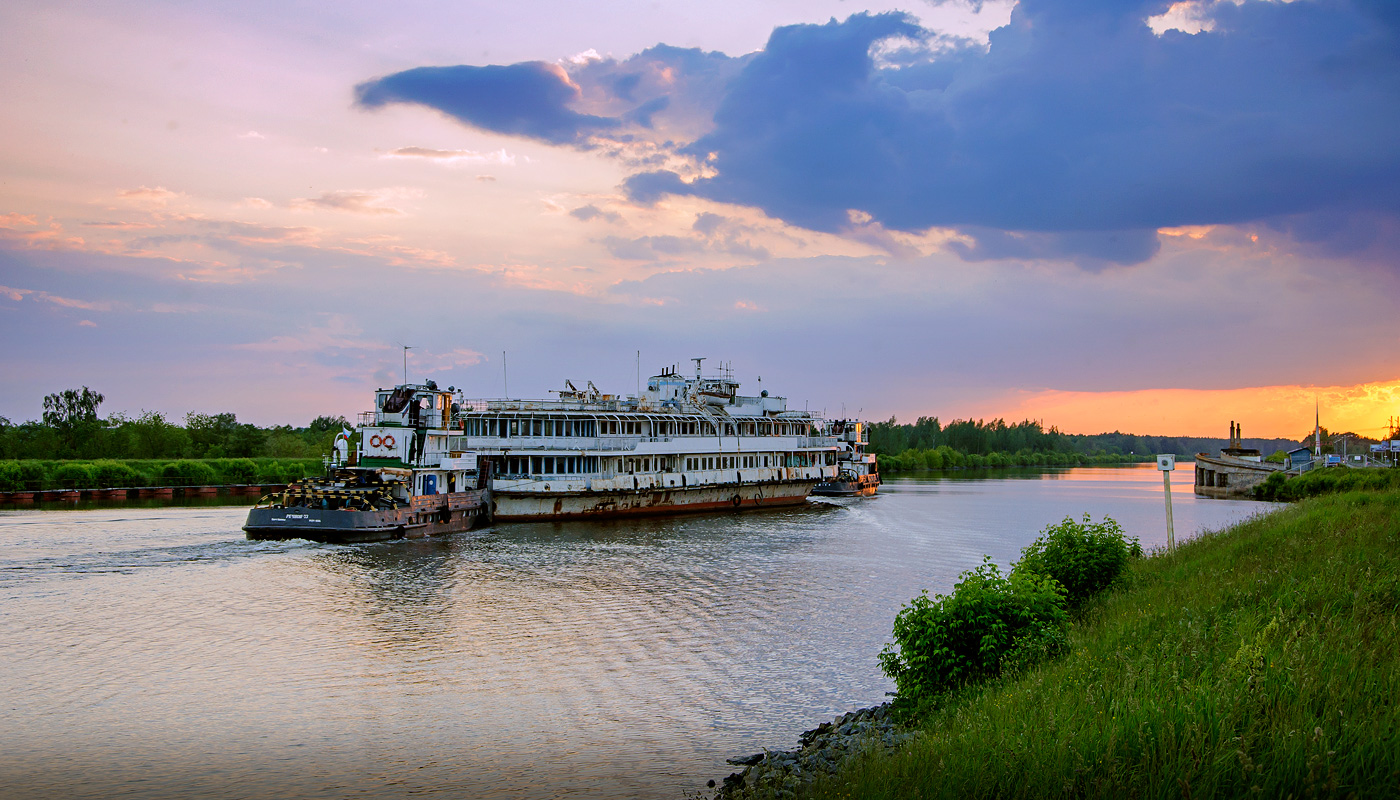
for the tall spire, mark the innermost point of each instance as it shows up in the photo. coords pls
(1317, 427)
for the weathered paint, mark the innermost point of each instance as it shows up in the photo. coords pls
(520, 506)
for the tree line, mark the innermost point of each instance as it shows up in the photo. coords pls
(72, 428)
(1030, 438)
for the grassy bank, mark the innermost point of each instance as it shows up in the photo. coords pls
(1330, 480)
(1260, 660)
(36, 475)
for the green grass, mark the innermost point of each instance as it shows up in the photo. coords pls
(1261, 660)
(1329, 480)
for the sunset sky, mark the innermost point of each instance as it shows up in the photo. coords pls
(1138, 215)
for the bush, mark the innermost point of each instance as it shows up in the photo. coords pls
(73, 475)
(1084, 557)
(9, 476)
(188, 473)
(236, 470)
(111, 474)
(989, 621)
(32, 475)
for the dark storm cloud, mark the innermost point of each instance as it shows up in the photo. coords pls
(1075, 133)
(530, 99)
(1077, 118)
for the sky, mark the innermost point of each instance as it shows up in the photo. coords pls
(1130, 215)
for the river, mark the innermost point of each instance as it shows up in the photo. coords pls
(154, 653)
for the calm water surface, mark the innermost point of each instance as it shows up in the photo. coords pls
(153, 652)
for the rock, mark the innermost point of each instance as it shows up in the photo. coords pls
(820, 751)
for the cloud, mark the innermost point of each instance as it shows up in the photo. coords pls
(591, 212)
(1078, 120)
(453, 157)
(1092, 250)
(17, 295)
(352, 200)
(1078, 129)
(528, 99)
(650, 248)
(157, 197)
(119, 226)
(14, 294)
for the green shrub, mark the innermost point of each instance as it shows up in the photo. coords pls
(73, 475)
(32, 475)
(1084, 557)
(989, 621)
(269, 472)
(110, 474)
(187, 472)
(9, 476)
(236, 470)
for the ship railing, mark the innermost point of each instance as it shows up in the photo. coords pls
(564, 443)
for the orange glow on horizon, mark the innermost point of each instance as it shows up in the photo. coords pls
(1264, 412)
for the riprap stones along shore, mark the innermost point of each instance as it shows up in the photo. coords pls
(822, 750)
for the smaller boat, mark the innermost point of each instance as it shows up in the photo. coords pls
(858, 473)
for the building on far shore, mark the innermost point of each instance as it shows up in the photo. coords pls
(1233, 473)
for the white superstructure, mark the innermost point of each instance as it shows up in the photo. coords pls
(685, 444)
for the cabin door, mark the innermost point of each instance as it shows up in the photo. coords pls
(429, 484)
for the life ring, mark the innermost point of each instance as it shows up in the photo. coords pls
(374, 441)
(389, 442)
(737, 501)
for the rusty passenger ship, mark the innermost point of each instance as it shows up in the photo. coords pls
(431, 461)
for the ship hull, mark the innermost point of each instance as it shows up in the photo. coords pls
(844, 489)
(428, 516)
(511, 506)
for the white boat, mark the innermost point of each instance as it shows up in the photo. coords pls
(685, 444)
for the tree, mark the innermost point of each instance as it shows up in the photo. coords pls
(72, 413)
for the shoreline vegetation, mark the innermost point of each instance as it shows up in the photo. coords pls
(927, 444)
(34, 475)
(1257, 660)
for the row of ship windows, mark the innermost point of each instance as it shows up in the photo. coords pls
(503, 428)
(580, 465)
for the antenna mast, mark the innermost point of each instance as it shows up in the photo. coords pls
(406, 348)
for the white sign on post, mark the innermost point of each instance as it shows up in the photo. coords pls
(1166, 462)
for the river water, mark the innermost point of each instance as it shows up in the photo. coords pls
(154, 653)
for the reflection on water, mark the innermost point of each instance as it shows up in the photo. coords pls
(155, 653)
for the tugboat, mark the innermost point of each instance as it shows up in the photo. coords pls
(859, 474)
(398, 482)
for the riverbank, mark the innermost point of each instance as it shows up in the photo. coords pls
(1256, 660)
